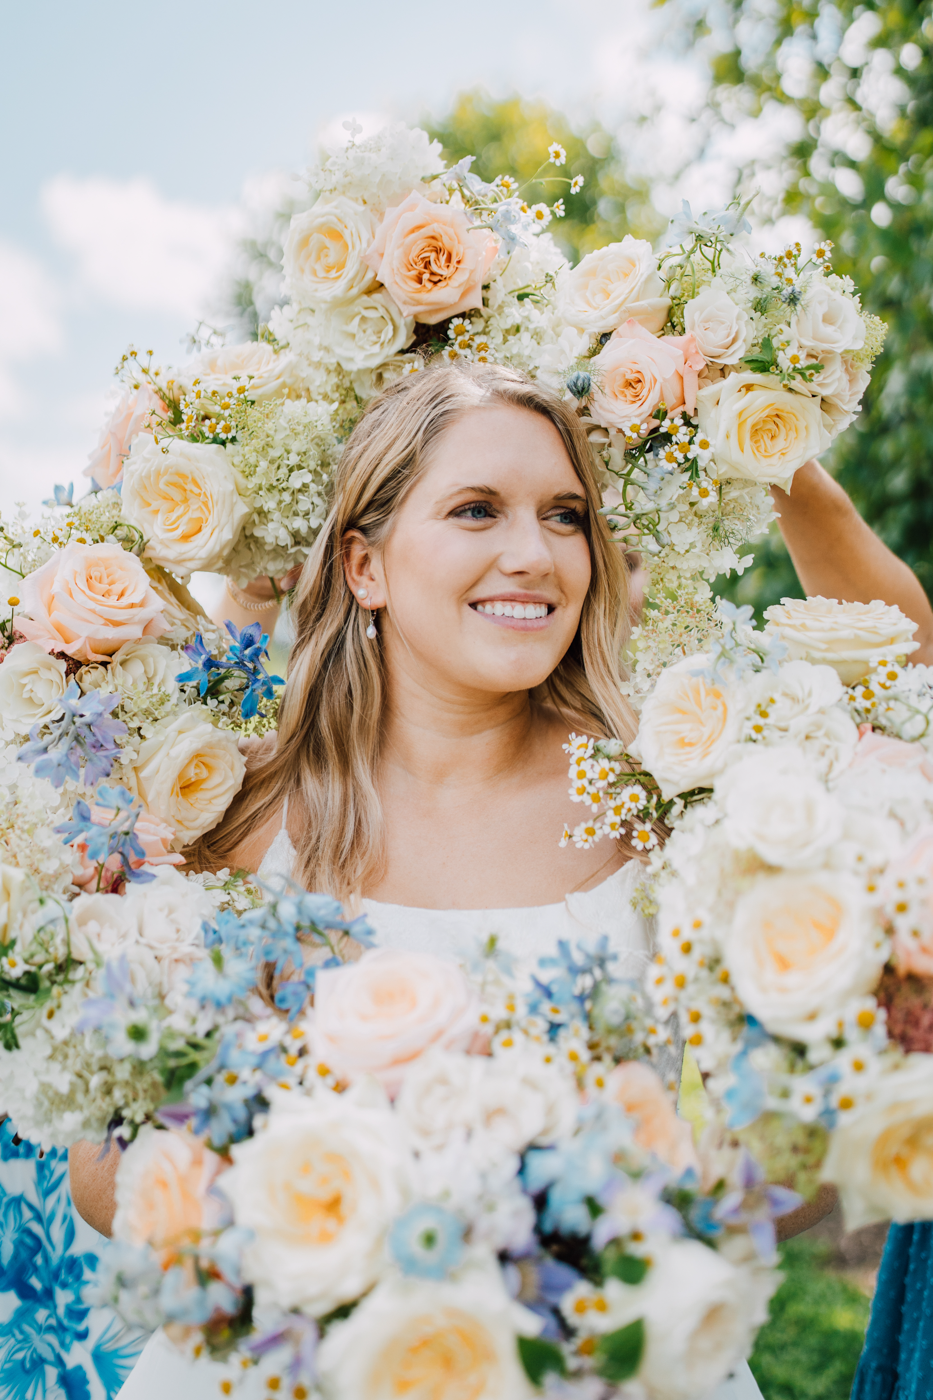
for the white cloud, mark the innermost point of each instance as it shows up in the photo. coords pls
(136, 249)
(29, 321)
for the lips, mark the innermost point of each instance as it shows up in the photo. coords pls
(522, 616)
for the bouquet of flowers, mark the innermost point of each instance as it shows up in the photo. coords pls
(795, 930)
(403, 1166)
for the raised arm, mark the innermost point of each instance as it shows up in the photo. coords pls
(836, 554)
(92, 1183)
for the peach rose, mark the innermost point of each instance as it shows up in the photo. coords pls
(88, 600)
(638, 371)
(892, 753)
(636, 1088)
(378, 1015)
(130, 417)
(429, 259)
(164, 1195)
(154, 836)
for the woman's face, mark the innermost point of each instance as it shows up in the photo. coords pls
(485, 571)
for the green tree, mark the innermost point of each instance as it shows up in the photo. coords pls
(861, 77)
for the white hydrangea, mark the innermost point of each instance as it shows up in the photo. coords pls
(381, 169)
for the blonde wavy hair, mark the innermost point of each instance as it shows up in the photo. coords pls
(327, 751)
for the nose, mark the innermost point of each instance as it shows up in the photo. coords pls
(526, 548)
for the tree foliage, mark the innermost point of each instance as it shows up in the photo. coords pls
(860, 75)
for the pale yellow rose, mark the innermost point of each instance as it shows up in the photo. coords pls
(254, 366)
(189, 772)
(186, 499)
(431, 260)
(881, 1152)
(614, 284)
(846, 636)
(760, 431)
(365, 333)
(31, 685)
(137, 665)
(163, 1193)
(88, 600)
(325, 253)
(689, 727)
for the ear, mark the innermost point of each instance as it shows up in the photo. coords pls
(363, 571)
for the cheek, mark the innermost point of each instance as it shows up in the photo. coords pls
(430, 568)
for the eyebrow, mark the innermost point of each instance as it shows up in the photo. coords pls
(491, 491)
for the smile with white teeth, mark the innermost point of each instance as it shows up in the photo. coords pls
(513, 609)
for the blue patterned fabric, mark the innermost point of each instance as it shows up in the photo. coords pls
(53, 1346)
(897, 1363)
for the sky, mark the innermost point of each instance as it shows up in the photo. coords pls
(133, 138)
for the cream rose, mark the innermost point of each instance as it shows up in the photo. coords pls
(189, 772)
(31, 685)
(378, 1015)
(186, 501)
(99, 926)
(614, 284)
(881, 1153)
(637, 1089)
(133, 415)
(775, 807)
(436, 1098)
(840, 384)
(800, 947)
(136, 666)
(430, 260)
(722, 330)
(759, 430)
(367, 332)
(164, 1193)
(447, 1340)
(88, 600)
(170, 913)
(520, 1098)
(828, 741)
(12, 887)
(634, 374)
(846, 636)
(325, 253)
(688, 728)
(262, 372)
(798, 689)
(319, 1187)
(828, 321)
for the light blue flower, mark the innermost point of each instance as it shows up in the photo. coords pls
(80, 731)
(427, 1241)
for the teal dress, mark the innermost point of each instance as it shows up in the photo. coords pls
(897, 1363)
(53, 1344)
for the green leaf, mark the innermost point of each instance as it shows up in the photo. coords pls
(628, 1267)
(539, 1357)
(618, 1354)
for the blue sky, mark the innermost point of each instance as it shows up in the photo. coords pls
(131, 134)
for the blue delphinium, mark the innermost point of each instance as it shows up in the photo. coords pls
(579, 1170)
(61, 496)
(80, 731)
(244, 658)
(116, 838)
(756, 1205)
(427, 1241)
(567, 995)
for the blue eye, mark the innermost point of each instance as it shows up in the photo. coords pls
(568, 517)
(477, 510)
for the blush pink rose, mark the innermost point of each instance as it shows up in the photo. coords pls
(639, 1091)
(638, 371)
(88, 600)
(131, 416)
(913, 938)
(429, 259)
(153, 835)
(891, 753)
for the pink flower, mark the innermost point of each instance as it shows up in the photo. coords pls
(164, 1193)
(430, 260)
(154, 836)
(638, 371)
(131, 417)
(88, 600)
(636, 1088)
(891, 753)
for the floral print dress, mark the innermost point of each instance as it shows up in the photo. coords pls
(54, 1345)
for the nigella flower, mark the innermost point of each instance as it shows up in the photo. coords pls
(580, 384)
(244, 659)
(427, 1241)
(116, 838)
(79, 731)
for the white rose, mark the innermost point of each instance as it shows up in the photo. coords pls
(324, 253)
(319, 1187)
(365, 332)
(722, 330)
(439, 1339)
(136, 666)
(846, 636)
(881, 1153)
(376, 1016)
(436, 1098)
(840, 384)
(775, 807)
(100, 926)
(12, 885)
(800, 947)
(189, 772)
(612, 285)
(758, 430)
(828, 321)
(169, 913)
(828, 741)
(521, 1098)
(265, 373)
(688, 727)
(31, 685)
(798, 689)
(186, 501)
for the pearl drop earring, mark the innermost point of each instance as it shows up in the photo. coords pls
(363, 595)
(371, 629)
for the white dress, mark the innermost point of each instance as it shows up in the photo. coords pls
(161, 1372)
